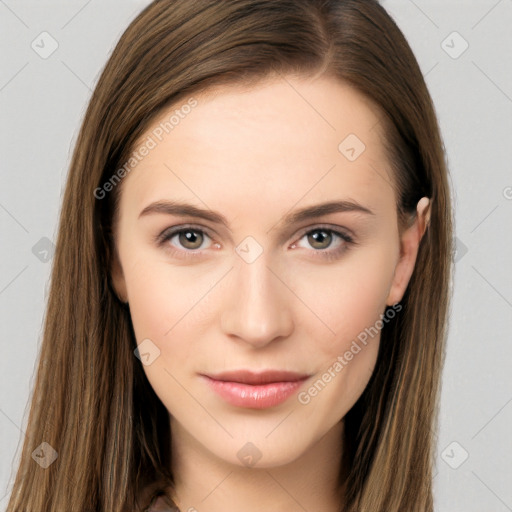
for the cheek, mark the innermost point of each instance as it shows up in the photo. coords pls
(347, 299)
(169, 306)
(350, 299)
(149, 300)
(353, 308)
(160, 308)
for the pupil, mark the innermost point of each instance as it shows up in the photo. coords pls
(190, 237)
(318, 237)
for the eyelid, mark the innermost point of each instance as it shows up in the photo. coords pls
(328, 227)
(171, 231)
(177, 228)
(346, 235)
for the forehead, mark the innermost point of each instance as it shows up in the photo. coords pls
(281, 141)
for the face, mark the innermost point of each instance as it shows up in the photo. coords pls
(261, 315)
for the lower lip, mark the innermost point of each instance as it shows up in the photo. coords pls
(259, 396)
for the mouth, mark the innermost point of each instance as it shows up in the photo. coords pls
(253, 390)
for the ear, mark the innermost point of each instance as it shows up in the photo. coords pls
(118, 280)
(409, 245)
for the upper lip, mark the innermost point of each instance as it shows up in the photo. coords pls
(251, 377)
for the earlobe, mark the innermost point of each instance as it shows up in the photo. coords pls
(409, 245)
(423, 215)
(118, 281)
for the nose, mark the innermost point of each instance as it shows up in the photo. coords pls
(258, 310)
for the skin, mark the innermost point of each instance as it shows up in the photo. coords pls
(254, 155)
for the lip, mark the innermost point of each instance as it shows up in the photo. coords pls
(255, 390)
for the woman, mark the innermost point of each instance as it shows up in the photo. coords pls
(203, 343)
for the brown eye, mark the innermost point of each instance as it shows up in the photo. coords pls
(320, 239)
(324, 242)
(190, 238)
(184, 241)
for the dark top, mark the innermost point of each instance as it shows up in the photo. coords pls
(160, 504)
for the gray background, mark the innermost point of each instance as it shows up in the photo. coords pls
(42, 101)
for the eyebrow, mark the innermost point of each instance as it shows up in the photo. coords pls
(187, 210)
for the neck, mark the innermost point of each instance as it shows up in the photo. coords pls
(205, 482)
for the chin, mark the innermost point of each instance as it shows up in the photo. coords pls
(260, 452)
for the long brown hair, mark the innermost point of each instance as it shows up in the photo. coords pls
(91, 402)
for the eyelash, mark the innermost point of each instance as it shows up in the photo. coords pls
(326, 254)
